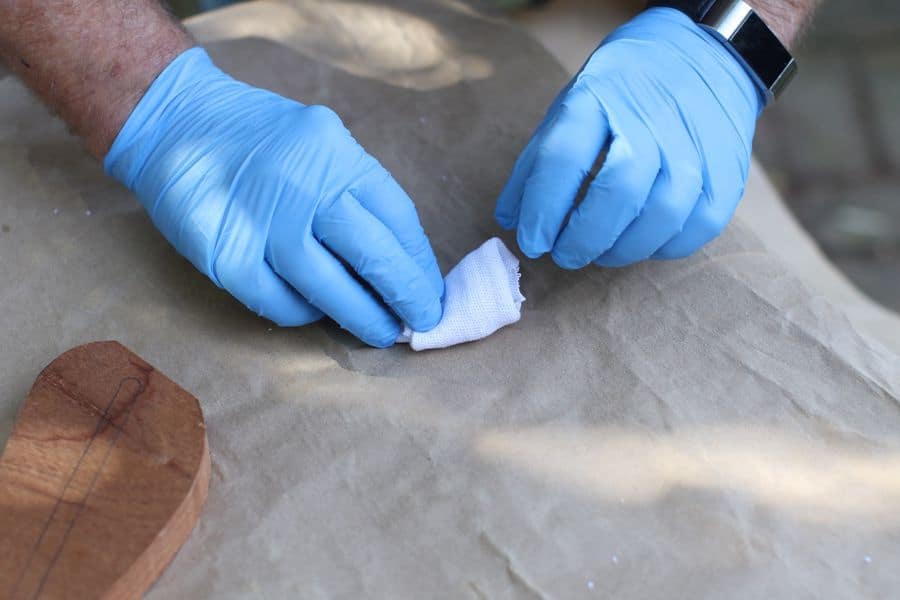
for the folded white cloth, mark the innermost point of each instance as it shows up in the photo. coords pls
(481, 296)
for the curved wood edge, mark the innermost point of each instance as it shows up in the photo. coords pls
(102, 480)
(156, 559)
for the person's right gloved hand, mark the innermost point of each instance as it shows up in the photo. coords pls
(269, 197)
(672, 112)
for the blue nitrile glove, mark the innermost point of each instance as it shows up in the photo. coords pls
(678, 112)
(267, 197)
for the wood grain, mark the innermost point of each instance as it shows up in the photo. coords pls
(102, 480)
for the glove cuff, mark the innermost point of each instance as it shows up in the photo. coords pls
(145, 126)
(747, 82)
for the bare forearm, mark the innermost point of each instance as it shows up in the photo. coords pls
(90, 60)
(787, 18)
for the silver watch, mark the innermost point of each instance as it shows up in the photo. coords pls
(746, 36)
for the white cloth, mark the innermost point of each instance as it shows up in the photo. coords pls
(481, 296)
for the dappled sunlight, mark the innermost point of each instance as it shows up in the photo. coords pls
(398, 399)
(810, 479)
(367, 40)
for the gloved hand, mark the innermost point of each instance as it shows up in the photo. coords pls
(678, 114)
(267, 197)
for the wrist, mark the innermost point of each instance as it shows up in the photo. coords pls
(164, 100)
(786, 19)
(737, 27)
(707, 53)
(90, 61)
(109, 105)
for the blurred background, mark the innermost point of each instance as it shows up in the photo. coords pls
(831, 144)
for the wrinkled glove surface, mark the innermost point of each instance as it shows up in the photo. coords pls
(677, 113)
(274, 201)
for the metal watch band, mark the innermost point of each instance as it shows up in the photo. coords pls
(747, 37)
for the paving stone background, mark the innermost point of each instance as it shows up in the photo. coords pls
(832, 143)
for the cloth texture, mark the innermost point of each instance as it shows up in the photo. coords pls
(481, 296)
(707, 428)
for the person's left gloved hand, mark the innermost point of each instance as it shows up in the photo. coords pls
(677, 112)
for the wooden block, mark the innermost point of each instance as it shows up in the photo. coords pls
(102, 480)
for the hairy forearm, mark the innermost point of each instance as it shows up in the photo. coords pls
(787, 18)
(89, 60)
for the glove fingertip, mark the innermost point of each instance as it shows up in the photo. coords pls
(568, 262)
(437, 281)
(530, 247)
(386, 344)
(381, 332)
(505, 221)
(385, 340)
(429, 318)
